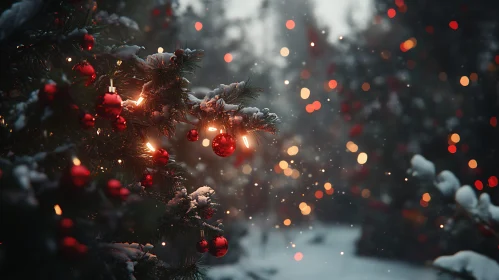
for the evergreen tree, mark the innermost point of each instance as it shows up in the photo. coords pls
(90, 186)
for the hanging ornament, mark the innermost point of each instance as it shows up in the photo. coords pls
(224, 145)
(206, 212)
(86, 69)
(193, 135)
(108, 105)
(114, 187)
(119, 124)
(160, 157)
(87, 42)
(47, 93)
(70, 247)
(79, 175)
(87, 121)
(179, 52)
(146, 181)
(202, 245)
(124, 193)
(218, 246)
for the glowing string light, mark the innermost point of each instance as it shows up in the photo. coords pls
(76, 161)
(58, 210)
(150, 147)
(246, 142)
(212, 128)
(139, 101)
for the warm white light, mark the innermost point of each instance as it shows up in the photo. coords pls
(312, 44)
(58, 210)
(160, 50)
(118, 62)
(139, 101)
(150, 147)
(163, 243)
(286, 82)
(76, 161)
(246, 142)
(211, 128)
(69, 59)
(206, 142)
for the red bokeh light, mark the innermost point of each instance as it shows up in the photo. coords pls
(391, 13)
(452, 149)
(493, 181)
(479, 185)
(454, 25)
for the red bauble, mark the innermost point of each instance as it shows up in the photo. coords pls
(47, 93)
(146, 181)
(206, 212)
(113, 187)
(219, 246)
(87, 42)
(356, 130)
(179, 52)
(119, 124)
(124, 193)
(87, 121)
(224, 144)
(193, 135)
(86, 69)
(80, 175)
(108, 105)
(202, 246)
(160, 157)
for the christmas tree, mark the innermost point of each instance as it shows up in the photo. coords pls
(90, 184)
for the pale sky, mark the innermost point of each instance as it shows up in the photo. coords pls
(331, 13)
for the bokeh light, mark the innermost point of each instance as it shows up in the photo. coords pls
(352, 147)
(206, 142)
(198, 26)
(362, 158)
(319, 194)
(228, 57)
(391, 13)
(290, 24)
(327, 186)
(453, 25)
(293, 150)
(284, 51)
(473, 164)
(464, 81)
(298, 256)
(455, 138)
(287, 222)
(478, 185)
(304, 93)
(426, 197)
(332, 84)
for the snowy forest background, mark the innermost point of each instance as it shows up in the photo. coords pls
(385, 164)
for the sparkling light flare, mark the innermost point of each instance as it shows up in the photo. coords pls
(149, 145)
(58, 210)
(246, 142)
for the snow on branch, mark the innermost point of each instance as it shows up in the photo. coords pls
(129, 254)
(18, 14)
(214, 105)
(468, 263)
(421, 167)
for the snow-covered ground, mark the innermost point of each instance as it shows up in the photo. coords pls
(333, 258)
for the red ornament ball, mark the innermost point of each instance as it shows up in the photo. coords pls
(124, 193)
(87, 121)
(119, 124)
(87, 42)
(80, 175)
(202, 246)
(114, 187)
(160, 157)
(86, 69)
(485, 230)
(108, 105)
(193, 135)
(219, 246)
(179, 52)
(47, 93)
(146, 181)
(224, 145)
